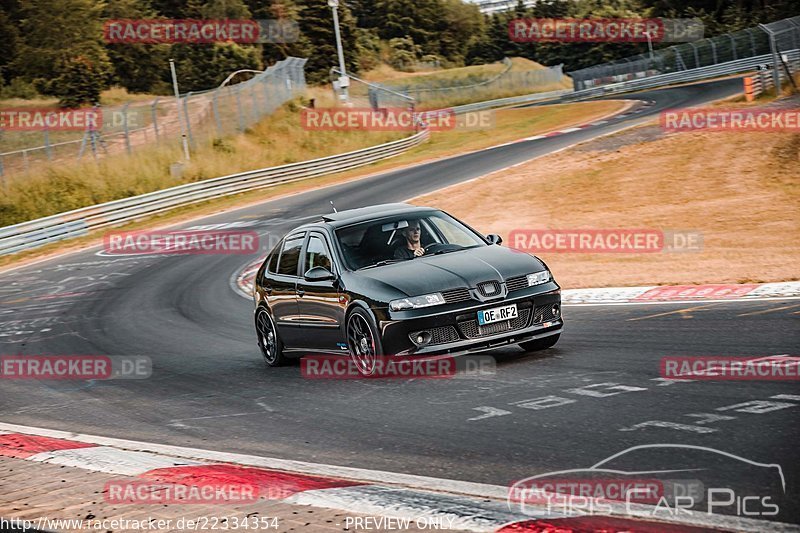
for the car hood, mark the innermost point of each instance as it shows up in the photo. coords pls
(453, 270)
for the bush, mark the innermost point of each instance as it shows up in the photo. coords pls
(19, 88)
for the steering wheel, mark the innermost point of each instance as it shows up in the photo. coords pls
(440, 246)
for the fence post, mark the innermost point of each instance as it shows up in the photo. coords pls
(239, 108)
(266, 95)
(733, 46)
(696, 55)
(154, 114)
(188, 120)
(255, 113)
(215, 110)
(125, 127)
(713, 51)
(776, 74)
(752, 42)
(47, 148)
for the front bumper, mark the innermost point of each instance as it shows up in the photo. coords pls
(454, 329)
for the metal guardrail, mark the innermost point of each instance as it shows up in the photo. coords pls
(684, 76)
(27, 235)
(35, 233)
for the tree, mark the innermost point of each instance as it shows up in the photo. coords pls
(403, 53)
(47, 54)
(80, 83)
(137, 67)
(205, 66)
(8, 47)
(316, 28)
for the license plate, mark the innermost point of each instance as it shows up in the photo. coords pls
(497, 314)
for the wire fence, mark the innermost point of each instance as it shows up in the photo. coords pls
(783, 36)
(435, 92)
(136, 125)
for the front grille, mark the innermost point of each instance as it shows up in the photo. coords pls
(517, 284)
(456, 295)
(471, 330)
(439, 335)
(489, 289)
(543, 313)
(443, 334)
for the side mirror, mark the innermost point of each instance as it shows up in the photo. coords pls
(493, 238)
(318, 273)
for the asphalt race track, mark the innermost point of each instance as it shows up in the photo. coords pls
(210, 389)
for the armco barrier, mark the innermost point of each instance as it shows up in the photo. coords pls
(38, 232)
(684, 76)
(35, 233)
(28, 235)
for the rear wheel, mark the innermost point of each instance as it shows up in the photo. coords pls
(268, 340)
(363, 342)
(540, 344)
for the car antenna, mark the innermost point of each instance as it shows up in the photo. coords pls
(334, 207)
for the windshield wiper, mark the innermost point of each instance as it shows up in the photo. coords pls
(384, 262)
(440, 252)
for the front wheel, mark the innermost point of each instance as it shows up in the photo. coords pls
(268, 340)
(363, 341)
(540, 344)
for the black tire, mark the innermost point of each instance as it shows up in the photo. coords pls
(363, 341)
(268, 340)
(540, 344)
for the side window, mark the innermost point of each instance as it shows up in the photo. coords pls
(290, 255)
(317, 253)
(272, 266)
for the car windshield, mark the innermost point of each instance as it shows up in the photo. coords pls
(392, 239)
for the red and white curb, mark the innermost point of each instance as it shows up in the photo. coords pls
(713, 292)
(410, 499)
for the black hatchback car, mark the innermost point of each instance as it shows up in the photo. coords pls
(351, 283)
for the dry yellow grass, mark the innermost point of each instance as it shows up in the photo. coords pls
(740, 190)
(384, 73)
(515, 124)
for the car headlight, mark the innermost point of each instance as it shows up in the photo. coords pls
(415, 302)
(539, 278)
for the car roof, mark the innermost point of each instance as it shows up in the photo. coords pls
(362, 214)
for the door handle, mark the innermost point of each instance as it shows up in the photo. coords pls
(300, 292)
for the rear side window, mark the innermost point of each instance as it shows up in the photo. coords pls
(272, 265)
(290, 255)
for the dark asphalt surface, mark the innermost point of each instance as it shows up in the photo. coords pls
(210, 389)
